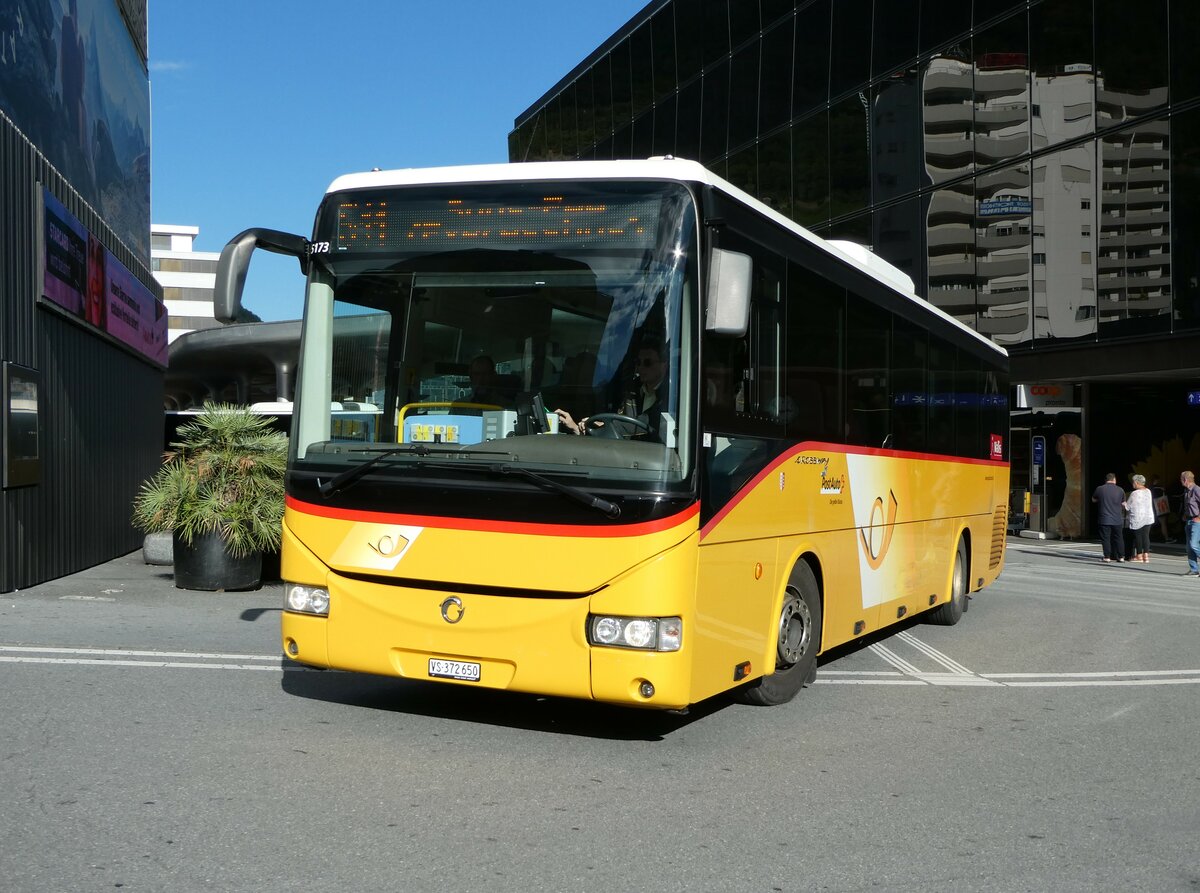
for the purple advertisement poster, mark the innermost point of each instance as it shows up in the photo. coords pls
(85, 279)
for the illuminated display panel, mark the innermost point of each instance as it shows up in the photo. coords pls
(397, 222)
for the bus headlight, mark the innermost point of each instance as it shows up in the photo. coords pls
(644, 633)
(307, 599)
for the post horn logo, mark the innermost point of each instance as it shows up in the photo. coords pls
(389, 546)
(876, 547)
(452, 609)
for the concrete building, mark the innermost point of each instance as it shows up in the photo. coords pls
(1033, 165)
(187, 277)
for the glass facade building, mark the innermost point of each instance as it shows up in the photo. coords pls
(1033, 166)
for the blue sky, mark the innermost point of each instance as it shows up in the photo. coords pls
(257, 106)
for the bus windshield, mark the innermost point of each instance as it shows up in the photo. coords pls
(501, 325)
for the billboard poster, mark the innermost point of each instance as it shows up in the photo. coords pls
(66, 241)
(84, 278)
(73, 81)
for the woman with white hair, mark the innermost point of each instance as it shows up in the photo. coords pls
(1141, 518)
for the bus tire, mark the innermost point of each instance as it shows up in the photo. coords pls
(951, 612)
(798, 639)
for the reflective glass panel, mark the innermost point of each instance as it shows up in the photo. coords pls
(743, 88)
(947, 94)
(1134, 247)
(622, 96)
(1064, 244)
(716, 30)
(689, 43)
(899, 238)
(810, 86)
(1185, 61)
(1185, 190)
(1131, 58)
(851, 45)
(950, 246)
(810, 170)
(664, 128)
(943, 21)
(775, 172)
(1001, 92)
(1063, 75)
(775, 91)
(602, 95)
(1003, 240)
(895, 32)
(849, 167)
(716, 113)
(895, 136)
(641, 57)
(662, 28)
(568, 123)
(687, 126)
(585, 114)
(743, 21)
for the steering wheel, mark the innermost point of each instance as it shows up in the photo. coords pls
(598, 428)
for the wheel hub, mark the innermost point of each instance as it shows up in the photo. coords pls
(795, 629)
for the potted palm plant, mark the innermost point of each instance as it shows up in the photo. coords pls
(220, 494)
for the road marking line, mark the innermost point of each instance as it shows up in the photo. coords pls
(944, 659)
(126, 652)
(111, 662)
(1108, 674)
(895, 660)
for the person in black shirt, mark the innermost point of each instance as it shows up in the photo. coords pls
(1109, 499)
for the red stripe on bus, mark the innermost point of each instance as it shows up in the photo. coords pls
(477, 524)
(815, 446)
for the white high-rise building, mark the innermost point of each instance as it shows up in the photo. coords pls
(187, 277)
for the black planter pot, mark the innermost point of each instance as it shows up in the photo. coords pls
(206, 565)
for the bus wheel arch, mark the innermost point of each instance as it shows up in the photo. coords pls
(797, 633)
(950, 612)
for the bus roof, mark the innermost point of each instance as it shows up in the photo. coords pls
(656, 168)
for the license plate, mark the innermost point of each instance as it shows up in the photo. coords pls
(465, 671)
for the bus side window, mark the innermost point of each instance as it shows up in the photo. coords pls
(868, 343)
(816, 312)
(910, 346)
(743, 377)
(940, 400)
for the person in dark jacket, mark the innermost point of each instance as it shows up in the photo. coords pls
(1110, 499)
(1190, 513)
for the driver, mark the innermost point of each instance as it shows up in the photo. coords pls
(647, 401)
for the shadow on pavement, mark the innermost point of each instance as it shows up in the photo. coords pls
(561, 716)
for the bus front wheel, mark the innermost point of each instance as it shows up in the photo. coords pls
(798, 638)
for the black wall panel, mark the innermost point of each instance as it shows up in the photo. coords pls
(100, 406)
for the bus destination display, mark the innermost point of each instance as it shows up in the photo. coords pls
(395, 224)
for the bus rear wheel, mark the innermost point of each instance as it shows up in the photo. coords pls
(798, 638)
(951, 612)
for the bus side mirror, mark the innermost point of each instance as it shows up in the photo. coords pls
(728, 293)
(235, 261)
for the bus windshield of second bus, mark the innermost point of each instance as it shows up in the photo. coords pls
(470, 319)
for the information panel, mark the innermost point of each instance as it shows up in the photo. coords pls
(85, 279)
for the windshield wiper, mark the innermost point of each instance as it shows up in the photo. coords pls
(350, 475)
(610, 509)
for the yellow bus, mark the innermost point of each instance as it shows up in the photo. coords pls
(638, 438)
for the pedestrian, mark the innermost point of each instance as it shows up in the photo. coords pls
(1110, 503)
(1140, 509)
(1191, 521)
(1162, 508)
